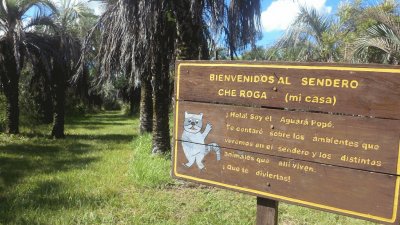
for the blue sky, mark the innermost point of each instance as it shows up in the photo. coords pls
(278, 14)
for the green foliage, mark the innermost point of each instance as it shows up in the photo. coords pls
(380, 42)
(257, 53)
(3, 104)
(126, 109)
(30, 110)
(295, 215)
(112, 105)
(311, 37)
(30, 114)
(98, 175)
(220, 53)
(360, 32)
(79, 180)
(75, 17)
(148, 170)
(75, 106)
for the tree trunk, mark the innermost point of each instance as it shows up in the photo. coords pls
(146, 106)
(59, 108)
(12, 93)
(163, 54)
(161, 135)
(10, 81)
(134, 101)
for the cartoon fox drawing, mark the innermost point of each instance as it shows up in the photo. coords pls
(193, 143)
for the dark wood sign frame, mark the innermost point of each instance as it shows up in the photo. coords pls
(370, 108)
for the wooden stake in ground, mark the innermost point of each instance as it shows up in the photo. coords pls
(267, 211)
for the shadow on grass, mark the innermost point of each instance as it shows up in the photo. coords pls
(100, 123)
(108, 117)
(23, 160)
(20, 160)
(36, 136)
(103, 137)
(47, 151)
(86, 127)
(47, 195)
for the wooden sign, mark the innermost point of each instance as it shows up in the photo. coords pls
(325, 136)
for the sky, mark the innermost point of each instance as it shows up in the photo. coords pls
(96, 6)
(277, 15)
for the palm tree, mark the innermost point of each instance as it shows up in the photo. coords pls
(68, 19)
(138, 40)
(63, 67)
(383, 37)
(17, 42)
(202, 23)
(146, 104)
(243, 24)
(162, 56)
(195, 22)
(122, 51)
(311, 37)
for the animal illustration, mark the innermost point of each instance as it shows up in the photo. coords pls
(193, 143)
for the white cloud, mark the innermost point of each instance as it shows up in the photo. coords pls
(97, 7)
(281, 13)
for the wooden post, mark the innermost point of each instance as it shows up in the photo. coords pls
(267, 211)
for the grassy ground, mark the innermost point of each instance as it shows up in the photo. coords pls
(102, 173)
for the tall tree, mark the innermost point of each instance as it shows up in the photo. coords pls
(311, 37)
(200, 24)
(162, 56)
(383, 36)
(17, 41)
(138, 40)
(257, 53)
(70, 16)
(123, 50)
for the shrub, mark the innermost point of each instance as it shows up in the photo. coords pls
(148, 170)
(2, 112)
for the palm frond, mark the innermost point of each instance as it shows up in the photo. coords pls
(129, 33)
(384, 36)
(243, 23)
(304, 39)
(312, 22)
(389, 19)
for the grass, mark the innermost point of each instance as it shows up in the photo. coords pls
(103, 173)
